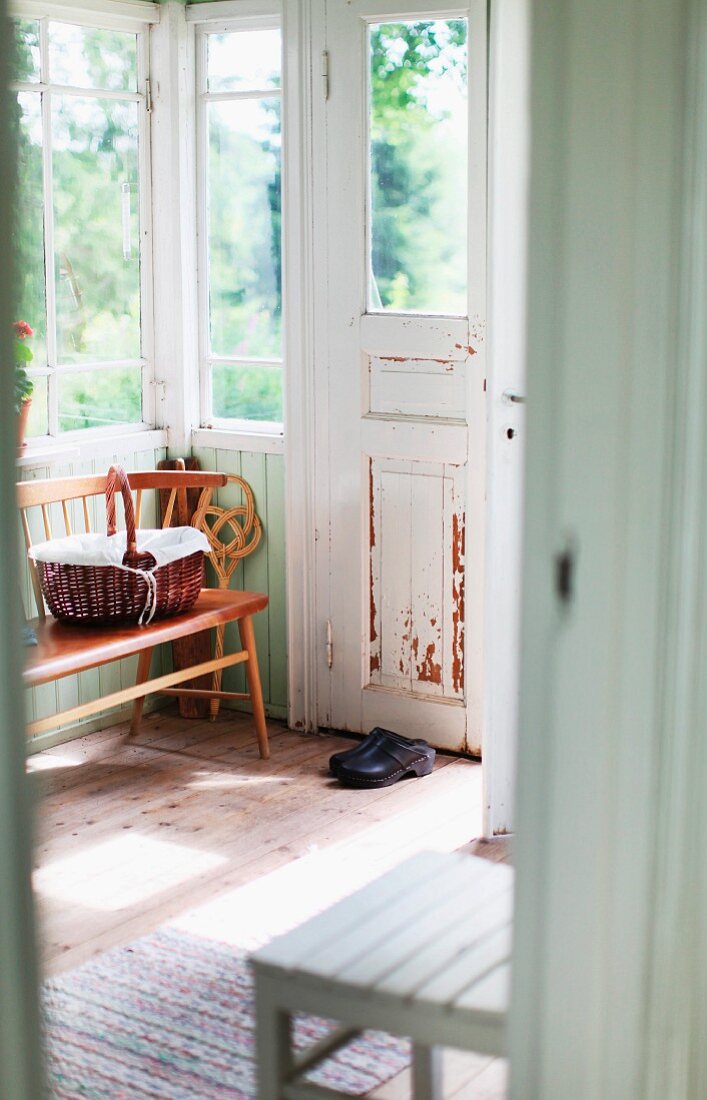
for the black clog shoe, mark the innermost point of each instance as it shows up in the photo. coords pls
(381, 761)
(376, 735)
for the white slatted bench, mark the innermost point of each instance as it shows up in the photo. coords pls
(422, 952)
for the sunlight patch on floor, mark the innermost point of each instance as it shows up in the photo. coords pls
(122, 872)
(254, 912)
(213, 781)
(42, 763)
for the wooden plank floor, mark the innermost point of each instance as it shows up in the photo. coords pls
(185, 824)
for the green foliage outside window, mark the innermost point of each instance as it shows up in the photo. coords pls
(96, 262)
(418, 119)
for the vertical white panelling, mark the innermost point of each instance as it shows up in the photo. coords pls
(304, 31)
(431, 675)
(277, 656)
(393, 597)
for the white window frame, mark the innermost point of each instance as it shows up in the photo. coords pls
(134, 17)
(214, 18)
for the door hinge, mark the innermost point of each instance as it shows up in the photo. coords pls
(325, 73)
(148, 96)
(329, 645)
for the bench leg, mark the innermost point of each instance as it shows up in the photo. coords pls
(217, 676)
(245, 628)
(275, 1059)
(426, 1072)
(143, 671)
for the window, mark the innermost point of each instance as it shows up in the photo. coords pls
(239, 93)
(81, 224)
(418, 141)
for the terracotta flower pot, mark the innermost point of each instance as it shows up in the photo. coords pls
(22, 421)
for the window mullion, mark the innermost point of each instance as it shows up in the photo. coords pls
(149, 403)
(235, 97)
(48, 195)
(202, 130)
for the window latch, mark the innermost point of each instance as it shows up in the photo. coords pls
(325, 73)
(148, 96)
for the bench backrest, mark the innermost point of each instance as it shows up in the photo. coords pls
(63, 491)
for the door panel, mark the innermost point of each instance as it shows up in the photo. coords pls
(416, 606)
(403, 387)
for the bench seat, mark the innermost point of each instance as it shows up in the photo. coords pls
(64, 650)
(422, 952)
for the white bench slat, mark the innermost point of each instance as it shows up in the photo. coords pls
(383, 929)
(445, 949)
(491, 994)
(336, 923)
(450, 981)
(466, 895)
(469, 968)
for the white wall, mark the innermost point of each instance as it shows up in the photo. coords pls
(610, 969)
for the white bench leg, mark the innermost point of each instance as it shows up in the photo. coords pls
(275, 1059)
(426, 1072)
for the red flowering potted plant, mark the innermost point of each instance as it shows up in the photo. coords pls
(23, 383)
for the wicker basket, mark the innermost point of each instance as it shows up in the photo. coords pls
(99, 594)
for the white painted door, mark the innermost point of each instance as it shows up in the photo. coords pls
(400, 369)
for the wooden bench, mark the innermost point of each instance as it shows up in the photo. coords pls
(422, 952)
(65, 650)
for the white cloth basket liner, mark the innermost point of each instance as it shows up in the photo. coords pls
(166, 546)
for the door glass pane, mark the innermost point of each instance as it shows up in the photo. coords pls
(84, 57)
(94, 399)
(26, 59)
(28, 223)
(243, 61)
(247, 392)
(418, 165)
(244, 228)
(97, 231)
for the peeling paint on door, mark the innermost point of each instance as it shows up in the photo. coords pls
(458, 578)
(374, 650)
(429, 388)
(416, 577)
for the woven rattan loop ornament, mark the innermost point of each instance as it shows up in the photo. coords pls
(246, 531)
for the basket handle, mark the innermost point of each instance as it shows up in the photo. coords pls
(117, 474)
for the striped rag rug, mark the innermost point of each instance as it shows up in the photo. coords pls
(172, 1016)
